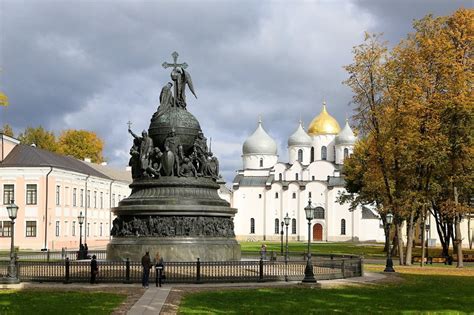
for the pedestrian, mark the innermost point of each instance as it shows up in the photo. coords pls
(160, 269)
(146, 264)
(94, 269)
(86, 252)
(263, 251)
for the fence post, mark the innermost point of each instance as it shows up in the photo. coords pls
(198, 271)
(343, 268)
(260, 273)
(47, 255)
(127, 271)
(67, 265)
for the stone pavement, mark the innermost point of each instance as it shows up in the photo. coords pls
(155, 297)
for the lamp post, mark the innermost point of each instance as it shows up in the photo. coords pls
(80, 219)
(12, 276)
(287, 222)
(389, 264)
(308, 271)
(427, 228)
(281, 233)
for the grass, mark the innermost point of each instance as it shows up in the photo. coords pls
(58, 302)
(371, 250)
(416, 293)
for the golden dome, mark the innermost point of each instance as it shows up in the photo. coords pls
(324, 124)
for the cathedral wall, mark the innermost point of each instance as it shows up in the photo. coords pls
(253, 161)
(324, 140)
(340, 152)
(320, 170)
(293, 154)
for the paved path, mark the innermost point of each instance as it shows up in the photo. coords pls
(155, 297)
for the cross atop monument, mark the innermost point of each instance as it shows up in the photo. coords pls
(175, 65)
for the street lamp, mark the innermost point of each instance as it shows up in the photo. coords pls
(389, 264)
(281, 233)
(308, 271)
(427, 228)
(80, 219)
(12, 276)
(287, 220)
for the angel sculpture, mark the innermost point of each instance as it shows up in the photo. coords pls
(181, 78)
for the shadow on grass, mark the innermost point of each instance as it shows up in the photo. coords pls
(417, 294)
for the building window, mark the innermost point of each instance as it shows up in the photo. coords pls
(88, 201)
(31, 194)
(324, 153)
(73, 228)
(300, 155)
(100, 230)
(101, 200)
(57, 228)
(293, 226)
(95, 199)
(6, 229)
(261, 162)
(293, 195)
(312, 154)
(280, 177)
(296, 176)
(312, 177)
(58, 195)
(319, 213)
(74, 197)
(81, 198)
(252, 226)
(309, 194)
(277, 226)
(276, 195)
(346, 153)
(343, 227)
(259, 196)
(30, 228)
(8, 194)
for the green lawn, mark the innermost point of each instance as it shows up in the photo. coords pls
(417, 294)
(58, 302)
(363, 249)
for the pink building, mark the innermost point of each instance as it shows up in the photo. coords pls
(51, 191)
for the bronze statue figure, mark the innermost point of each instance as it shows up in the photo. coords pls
(145, 149)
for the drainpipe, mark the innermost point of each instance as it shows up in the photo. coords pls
(110, 209)
(46, 211)
(85, 210)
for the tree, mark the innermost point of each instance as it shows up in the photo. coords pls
(81, 144)
(7, 130)
(40, 137)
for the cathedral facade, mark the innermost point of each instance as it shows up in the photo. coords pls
(266, 190)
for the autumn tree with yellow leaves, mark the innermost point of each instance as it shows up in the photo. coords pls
(414, 110)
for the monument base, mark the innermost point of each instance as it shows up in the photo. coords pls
(174, 249)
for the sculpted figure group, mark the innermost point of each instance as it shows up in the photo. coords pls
(148, 160)
(173, 226)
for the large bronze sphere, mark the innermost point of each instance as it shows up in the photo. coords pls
(185, 125)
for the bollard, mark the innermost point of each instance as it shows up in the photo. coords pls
(260, 270)
(127, 271)
(67, 266)
(47, 255)
(198, 271)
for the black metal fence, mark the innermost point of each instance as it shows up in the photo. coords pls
(55, 255)
(188, 272)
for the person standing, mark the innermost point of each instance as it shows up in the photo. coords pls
(263, 252)
(146, 264)
(94, 269)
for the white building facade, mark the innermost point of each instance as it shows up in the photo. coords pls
(266, 190)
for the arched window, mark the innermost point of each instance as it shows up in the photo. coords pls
(343, 227)
(346, 153)
(312, 154)
(261, 162)
(309, 194)
(319, 213)
(296, 176)
(324, 153)
(280, 177)
(300, 155)
(276, 195)
(252, 226)
(277, 226)
(294, 195)
(293, 226)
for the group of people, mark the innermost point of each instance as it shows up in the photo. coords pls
(148, 160)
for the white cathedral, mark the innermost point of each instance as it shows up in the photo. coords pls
(266, 190)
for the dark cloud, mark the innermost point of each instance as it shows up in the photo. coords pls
(96, 65)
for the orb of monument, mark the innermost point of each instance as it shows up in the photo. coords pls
(185, 125)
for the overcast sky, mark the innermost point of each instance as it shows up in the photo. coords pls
(97, 64)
